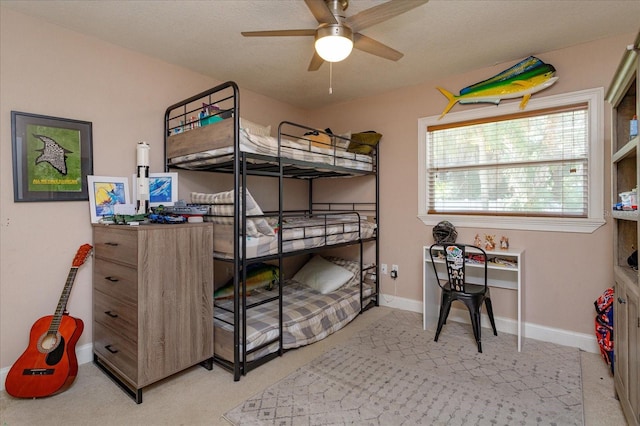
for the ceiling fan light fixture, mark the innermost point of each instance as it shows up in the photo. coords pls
(334, 42)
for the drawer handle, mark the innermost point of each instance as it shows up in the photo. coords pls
(621, 300)
(112, 279)
(113, 351)
(111, 314)
(111, 244)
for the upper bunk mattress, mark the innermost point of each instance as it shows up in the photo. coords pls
(302, 151)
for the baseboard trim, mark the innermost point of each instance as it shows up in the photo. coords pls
(84, 354)
(585, 342)
(401, 303)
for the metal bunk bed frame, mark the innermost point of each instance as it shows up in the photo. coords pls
(241, 166)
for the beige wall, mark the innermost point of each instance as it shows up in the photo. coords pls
(51, 71)
(564, 272)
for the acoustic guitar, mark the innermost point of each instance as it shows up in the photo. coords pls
(49, 365)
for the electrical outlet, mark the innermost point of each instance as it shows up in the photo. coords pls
(394, 271)
(383, 268)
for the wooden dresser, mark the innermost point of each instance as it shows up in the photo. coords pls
(152, 301)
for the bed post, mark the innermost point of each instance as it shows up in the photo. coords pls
(376, 159)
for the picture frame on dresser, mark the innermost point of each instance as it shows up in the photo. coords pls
(52, 157)
(104, 193)
(163, 189)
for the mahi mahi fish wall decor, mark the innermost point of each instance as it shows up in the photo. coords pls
(528, 76)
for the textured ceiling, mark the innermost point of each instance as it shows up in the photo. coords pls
(440, 38)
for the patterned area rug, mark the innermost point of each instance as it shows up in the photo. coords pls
(393, 373)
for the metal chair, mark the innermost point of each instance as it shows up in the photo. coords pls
(455, 257)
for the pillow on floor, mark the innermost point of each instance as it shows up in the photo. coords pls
(322, 275)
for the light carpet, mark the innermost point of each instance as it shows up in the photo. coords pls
(393, 373)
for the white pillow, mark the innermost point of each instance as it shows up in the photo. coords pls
(350, 265)
(222, 204)
(322, 275)
(254, 129)
(342, 144)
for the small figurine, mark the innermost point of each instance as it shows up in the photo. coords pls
(504, 243)
(490, 242)
(477, 241)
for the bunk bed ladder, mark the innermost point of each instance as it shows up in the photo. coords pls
(241, 365)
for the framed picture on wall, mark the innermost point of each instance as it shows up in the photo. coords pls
(52, 157)
(105, 192)
(163, 189)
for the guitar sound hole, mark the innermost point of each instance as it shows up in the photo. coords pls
(48, 342)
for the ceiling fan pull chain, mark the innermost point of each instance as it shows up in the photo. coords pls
(330, 78)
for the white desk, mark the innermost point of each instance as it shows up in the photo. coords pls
(501, 276)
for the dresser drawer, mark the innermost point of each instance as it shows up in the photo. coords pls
(119, 316)
(116, 280)
(117, 244)
(119, 352)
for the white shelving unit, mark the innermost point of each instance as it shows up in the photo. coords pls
(624, 96)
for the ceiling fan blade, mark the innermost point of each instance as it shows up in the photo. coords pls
(380, 13)
(321, 11)
(316, 62)
(278, 33)
(369, 45)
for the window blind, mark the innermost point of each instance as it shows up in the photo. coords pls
(532, 163)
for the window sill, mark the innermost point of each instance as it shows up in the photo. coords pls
(585, 226)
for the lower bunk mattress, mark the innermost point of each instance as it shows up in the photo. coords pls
(307, 316)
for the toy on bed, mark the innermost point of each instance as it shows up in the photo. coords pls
(259, 275)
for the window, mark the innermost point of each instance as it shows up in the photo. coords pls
(537, 169)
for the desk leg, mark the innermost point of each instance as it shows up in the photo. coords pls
(519, 304)
(430, 297)
(424, 292)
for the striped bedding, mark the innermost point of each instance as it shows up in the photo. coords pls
(299, 233)
(268, 145)
(307, 315)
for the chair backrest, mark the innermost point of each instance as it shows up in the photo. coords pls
(456, 257)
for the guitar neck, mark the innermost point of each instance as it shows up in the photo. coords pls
(62, 303)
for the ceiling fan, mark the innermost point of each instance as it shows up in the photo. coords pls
(337, 34)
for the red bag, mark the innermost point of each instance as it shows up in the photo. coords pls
(604, 325)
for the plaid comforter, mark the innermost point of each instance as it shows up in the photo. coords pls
(307, 316)
(299, 233)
